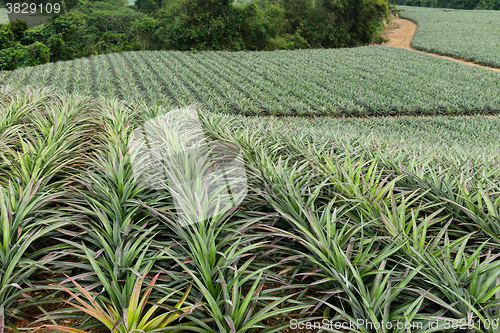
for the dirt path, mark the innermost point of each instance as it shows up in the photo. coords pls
(400, 32)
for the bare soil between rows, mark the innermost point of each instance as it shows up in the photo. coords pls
(400, 32)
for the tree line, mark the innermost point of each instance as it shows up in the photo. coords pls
(94, 27)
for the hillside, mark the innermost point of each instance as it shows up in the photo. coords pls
(470, 35)
(365, 81)
(327, 190)
(387, 213)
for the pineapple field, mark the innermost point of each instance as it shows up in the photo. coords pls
(464, 34)
(364, 81)
(340, 190)
(359, 221)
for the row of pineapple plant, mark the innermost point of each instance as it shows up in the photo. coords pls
(366, 81)
(330, 229)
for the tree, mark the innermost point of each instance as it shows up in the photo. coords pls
(201, 25)
(7, 37)
(144, 29)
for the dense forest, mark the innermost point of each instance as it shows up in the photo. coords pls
(88, 28)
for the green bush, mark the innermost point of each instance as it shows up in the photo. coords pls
(24, 55)
(144, 29)
(336, 23)
(148, 6)
(201, 25)
(36, 54)
(64, 37)
(7, 37)
(288, 42)
(18, 28)
(262, 24)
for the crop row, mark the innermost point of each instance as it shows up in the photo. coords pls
(472, 35)
(350, 220)
(364, 81)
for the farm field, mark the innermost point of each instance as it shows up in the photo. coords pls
(365, 81)
(368, 200)
(422, 136)
(353, 220)
(469, 35)
(4, 74)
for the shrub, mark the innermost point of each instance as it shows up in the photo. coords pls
(23, 55)
(36, 54)
(288, 42)
(7, 37)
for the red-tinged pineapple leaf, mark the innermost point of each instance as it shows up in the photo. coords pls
(118, 323)
(63, 329)
(230, 322)
(145, 297)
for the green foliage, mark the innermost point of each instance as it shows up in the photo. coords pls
(336, 23)
(366, 81)
(24, 55)
(98, 28)
(57, 40)
(148, 6)
(201, 25)
(7, 37)
(364, 220)
(62, 37)
(288, 42)
(18, 28)
(469, 35)
(145, 28)
(261, 24)
(134, 316)
(37, 54)
(488, 5)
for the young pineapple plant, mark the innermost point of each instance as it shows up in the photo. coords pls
(370, 221)
(140, 314)
(26, 224)
(112, 241)
(33, 188)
